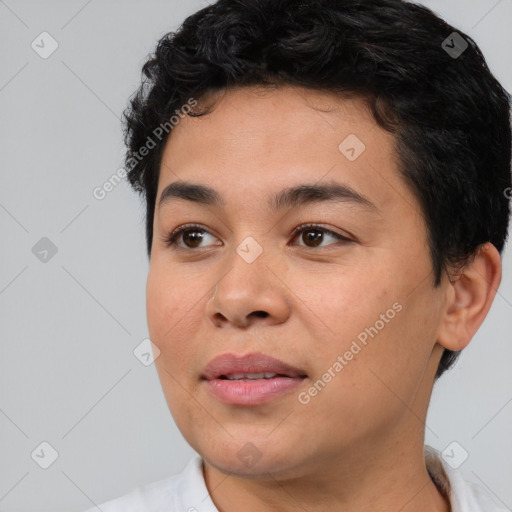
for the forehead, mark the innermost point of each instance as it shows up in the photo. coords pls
(255, 142)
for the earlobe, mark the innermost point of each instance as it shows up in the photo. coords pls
(469, 298)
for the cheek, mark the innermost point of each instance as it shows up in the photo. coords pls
(399, 338)
(172, 306)
(371, 316)
(338, 303)
(159, 303)
(172, 314)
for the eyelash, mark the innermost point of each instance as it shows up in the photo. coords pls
(171, 240)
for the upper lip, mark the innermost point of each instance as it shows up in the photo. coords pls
(227, 364)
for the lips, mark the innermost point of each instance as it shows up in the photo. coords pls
(229, 365)
(252, 379)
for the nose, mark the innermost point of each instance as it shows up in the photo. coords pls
(248, 294)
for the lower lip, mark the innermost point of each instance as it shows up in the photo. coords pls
(251, 392)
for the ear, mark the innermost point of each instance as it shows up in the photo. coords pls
(469, 298)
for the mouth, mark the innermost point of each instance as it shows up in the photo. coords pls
(251, 376)
(252, 379)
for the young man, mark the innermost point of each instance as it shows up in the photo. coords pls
(326, 188)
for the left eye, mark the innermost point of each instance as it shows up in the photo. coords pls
(315, 235)
(192, 235)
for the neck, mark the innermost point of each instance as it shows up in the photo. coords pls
(363, 481)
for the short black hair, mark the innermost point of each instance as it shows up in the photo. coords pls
(430, 87)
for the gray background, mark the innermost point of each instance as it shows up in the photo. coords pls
(69, 325)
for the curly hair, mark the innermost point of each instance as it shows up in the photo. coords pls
(449, 115)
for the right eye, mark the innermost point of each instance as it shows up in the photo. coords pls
(191, 236)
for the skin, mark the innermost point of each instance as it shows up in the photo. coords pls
(358, 444)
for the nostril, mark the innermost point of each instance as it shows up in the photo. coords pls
(262, 314)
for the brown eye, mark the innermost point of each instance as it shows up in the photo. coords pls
(188, 237)
(192, 238)
(312, 236)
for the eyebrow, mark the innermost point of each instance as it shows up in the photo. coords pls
(287, 198)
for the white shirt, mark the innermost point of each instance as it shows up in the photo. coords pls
(187, 492)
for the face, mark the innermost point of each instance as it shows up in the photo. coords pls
(334, 282)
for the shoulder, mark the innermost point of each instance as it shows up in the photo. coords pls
(171, 494)
(464, 496)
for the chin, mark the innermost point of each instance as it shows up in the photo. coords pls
(250, 456)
